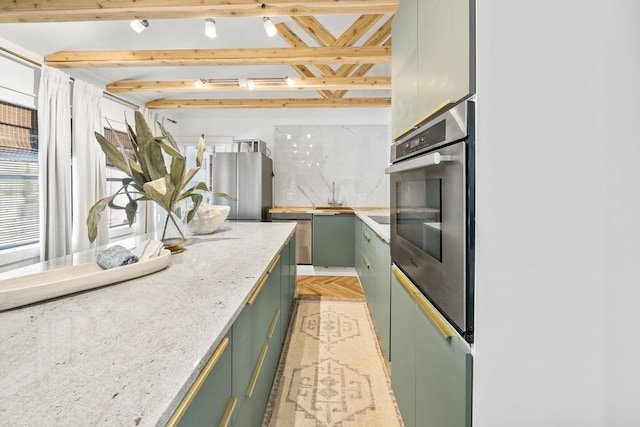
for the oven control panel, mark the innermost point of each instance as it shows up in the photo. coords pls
(422, 141)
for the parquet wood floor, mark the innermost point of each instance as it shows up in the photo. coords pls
(330, 286)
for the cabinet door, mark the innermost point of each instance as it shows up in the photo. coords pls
(404, 68)
(444, 53)
(358, 246)
(288, 286)
(382, 284)
(207, 401)
(443, 376)
(333, 244)
(403, 351)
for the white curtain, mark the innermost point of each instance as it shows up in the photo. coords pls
(89, 163)
(54, 148)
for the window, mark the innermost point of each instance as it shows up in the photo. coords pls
(19, 192)
(116, 217)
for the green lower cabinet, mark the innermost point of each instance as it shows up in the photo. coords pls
(373, 265)
(209, 401)
(234, 386)
(431, 366)
(382, 285)
(288, 288)
(403, 351)
(333, 244)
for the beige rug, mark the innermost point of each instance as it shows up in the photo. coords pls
(332, 372)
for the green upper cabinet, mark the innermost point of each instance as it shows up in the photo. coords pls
(333, 243)
(404, 67)
(433, 58)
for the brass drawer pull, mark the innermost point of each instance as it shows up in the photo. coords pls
(274, 322)
(443, 327)
(404, 281)
(366, 236)
(188, 398)
(430, 311)
(226, 417)
(256, 372)
(366, 261)
(264, 279)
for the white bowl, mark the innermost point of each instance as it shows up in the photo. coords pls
(208, 218)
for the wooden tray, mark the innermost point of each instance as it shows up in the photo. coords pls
(42, 286)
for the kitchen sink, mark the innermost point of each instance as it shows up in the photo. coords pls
(381, 219)
(333, 208)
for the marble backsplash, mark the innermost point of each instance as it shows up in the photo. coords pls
(307, 160)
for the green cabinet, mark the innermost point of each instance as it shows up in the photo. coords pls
(234, 386)
(209, 402)
(404, 68)
(373, 266)
(333, 244)
(288, 288)
(432, 61)
(431, 365)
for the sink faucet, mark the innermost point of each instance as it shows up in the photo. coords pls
(332, 200)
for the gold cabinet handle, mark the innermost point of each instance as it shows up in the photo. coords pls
(274, 322)
(404, 281)
(264, 279)
(226, 417)
(255, 293)
(188, 398)
(430, 311)
(256, 372)
(366, 236)
(427, 308)
(366, 261)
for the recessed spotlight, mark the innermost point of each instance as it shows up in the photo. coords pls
(290, 81)
(251, 84)
(200, 83)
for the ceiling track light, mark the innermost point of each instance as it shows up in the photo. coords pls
(249, 83)
(269, 27)
(210, 28)
(139, 25)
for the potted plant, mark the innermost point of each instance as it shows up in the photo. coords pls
(148, 178)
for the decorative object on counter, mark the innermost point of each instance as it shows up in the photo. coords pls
(208, 218)
(45, 285)
(332, 371)
(115, 256)
(148, 179)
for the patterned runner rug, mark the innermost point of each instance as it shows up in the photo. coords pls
(332, 372)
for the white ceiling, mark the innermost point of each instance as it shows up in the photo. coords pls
(246, 32)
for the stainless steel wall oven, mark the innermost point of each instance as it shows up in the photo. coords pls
(433, 211)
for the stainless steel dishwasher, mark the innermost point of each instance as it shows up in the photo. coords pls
(304, 234)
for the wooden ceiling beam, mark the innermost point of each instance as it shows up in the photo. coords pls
(334, 83)
(357, 30)
(360, 71)
(195, 57)
(269, 103)
(100, 10)
(315, 29)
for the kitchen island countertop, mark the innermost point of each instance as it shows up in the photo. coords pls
(126, 354)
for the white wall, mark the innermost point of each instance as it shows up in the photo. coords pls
(260, 123)
(558, 203)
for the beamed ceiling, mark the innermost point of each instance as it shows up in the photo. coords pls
(336, 52)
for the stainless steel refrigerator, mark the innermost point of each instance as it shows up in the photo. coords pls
(247, 176)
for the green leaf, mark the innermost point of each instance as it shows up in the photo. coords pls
(93, 218)
(193, 171)
(197, 200)
(168, 136)
(177, 174)
(225, 196)
(161, 191)
(132, 208)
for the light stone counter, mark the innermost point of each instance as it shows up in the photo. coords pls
(382, 230)
(126, 354)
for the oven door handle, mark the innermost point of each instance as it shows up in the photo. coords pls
(418, 162)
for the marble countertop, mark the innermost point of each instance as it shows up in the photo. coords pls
(382, 230)
(126, 354)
